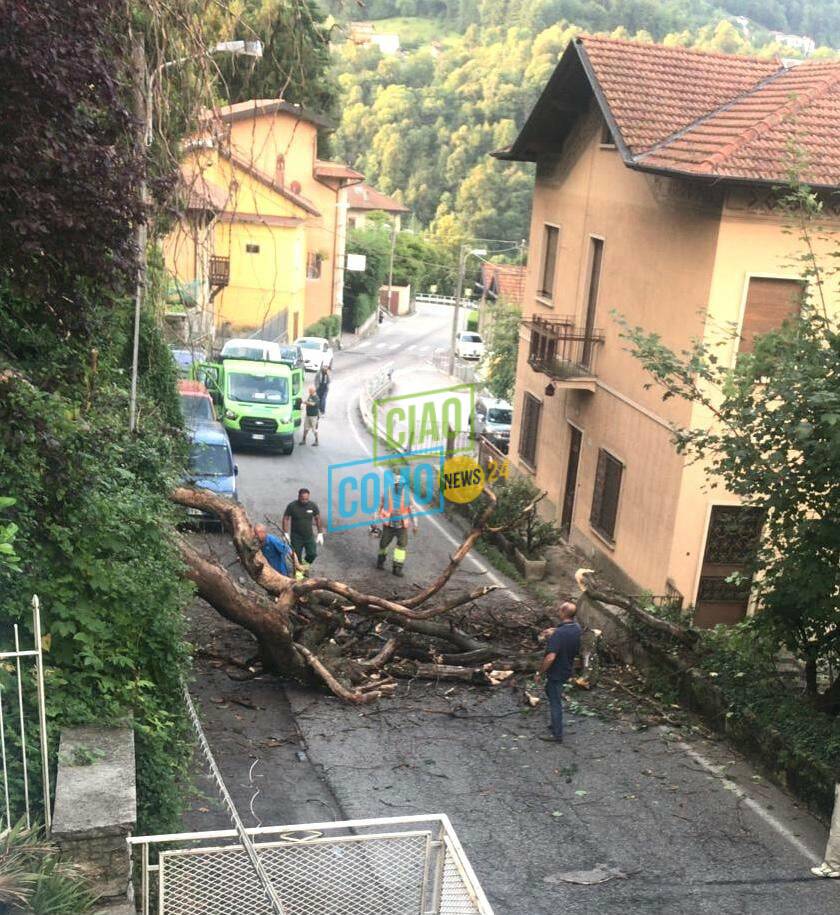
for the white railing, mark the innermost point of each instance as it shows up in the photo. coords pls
(411, 865)
(16, 765)
(423, 298)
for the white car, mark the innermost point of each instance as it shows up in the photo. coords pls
(261, 350)
(469, 345)
(316, 352)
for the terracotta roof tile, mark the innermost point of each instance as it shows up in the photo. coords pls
(760, 135)
(364, 197)
(653, 91)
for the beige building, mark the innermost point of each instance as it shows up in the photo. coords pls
(362, 200)
(280, 219)
(653, 201)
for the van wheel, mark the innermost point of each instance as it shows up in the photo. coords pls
(288, 449)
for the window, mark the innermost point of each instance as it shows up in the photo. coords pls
(529, 433)
(605, 495)
(769, 303)
(313, 266)
(551, 236)
(252, 249)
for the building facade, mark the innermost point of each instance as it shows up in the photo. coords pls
(282, 229)
(654, 205)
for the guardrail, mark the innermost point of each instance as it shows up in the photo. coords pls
(427, 299)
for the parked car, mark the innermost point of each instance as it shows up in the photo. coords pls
(261, 350)
(196, 403)
(184, 359)
(316, 352)
(291, 353)
(469, 345)
(211, 467)
(493, 419)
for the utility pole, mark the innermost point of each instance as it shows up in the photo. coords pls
(391, 262)
(459, 288)
(141, 115)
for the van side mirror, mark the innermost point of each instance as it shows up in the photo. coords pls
(297, 403)
(236, 470)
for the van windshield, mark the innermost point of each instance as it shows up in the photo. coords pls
(248, 388)
(210, 460)
(501, 416)
(245, 352)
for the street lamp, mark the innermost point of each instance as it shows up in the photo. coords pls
(462, 269)
(144, 100)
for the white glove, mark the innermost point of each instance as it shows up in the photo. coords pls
(320, 539)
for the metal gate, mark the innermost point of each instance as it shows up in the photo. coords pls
(24, 689)
(397, 866)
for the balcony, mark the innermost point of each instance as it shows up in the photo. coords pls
(564, 352)
(219, 271)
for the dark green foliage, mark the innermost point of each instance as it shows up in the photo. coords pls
(361, 287)
(531, 534)
(328, 327)
(95, 540)
(502, 348)
(68, 192)
(296, 55)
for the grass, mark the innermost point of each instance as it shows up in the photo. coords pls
(415, 31)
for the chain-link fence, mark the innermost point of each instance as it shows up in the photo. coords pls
(400, 866)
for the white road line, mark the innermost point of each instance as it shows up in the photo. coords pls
(413, 346)
(492, 576)
(381, 345)
(769, 819)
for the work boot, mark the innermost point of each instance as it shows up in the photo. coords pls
(398, 570)
(380, 562)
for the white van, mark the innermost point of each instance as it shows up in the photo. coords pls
(261, 350)
(493, 418)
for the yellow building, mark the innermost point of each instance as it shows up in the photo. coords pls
(653, 200)
(281, 231)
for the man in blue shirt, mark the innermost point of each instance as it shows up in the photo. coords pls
(558, 664)
(278, 553)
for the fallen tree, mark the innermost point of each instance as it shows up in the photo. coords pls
(354, 642)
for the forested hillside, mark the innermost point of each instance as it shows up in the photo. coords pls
(420, 124)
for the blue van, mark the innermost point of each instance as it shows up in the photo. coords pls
(210, 467)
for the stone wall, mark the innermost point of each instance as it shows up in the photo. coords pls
(96, 805)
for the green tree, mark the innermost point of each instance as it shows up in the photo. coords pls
(361, 288)
(296, 53)
(502, 339)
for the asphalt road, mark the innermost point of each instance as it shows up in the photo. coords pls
(690, 826)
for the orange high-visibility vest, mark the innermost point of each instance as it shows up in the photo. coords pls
(401, 512)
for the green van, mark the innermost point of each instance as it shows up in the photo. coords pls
(259, 403)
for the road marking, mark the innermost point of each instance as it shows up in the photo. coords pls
(408, 349)
(762, 812)
(492, 576)
(381, 345)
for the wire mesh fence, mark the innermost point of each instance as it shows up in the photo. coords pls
(399, 866)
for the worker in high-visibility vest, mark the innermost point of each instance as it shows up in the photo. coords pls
(395, 512)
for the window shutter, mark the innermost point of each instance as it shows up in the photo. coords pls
(769, 303)
(606, 494)
(529, 433)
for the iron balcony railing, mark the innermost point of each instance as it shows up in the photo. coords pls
(561, 349)
(219, 271)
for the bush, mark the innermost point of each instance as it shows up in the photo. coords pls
(472, 320)
(329, 327)
(95, 541)
(531, 534)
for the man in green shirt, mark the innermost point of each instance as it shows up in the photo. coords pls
(300, 519)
